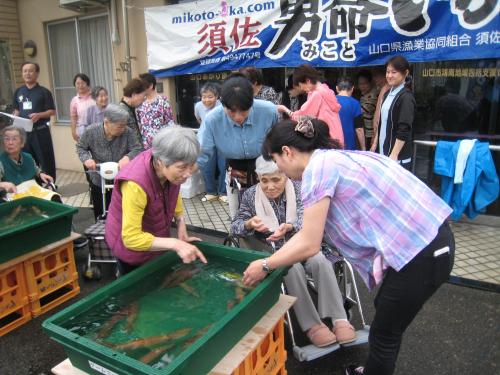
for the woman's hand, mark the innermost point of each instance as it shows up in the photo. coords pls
(46, 178)
(254, 273)
(282, 109)
(187, 252)
(123, 162)
(90, 164)
(279, 233)
(255, 223)
(9, 186)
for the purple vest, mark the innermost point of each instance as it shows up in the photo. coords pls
(158, 213)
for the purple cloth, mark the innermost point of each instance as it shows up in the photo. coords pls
(158, 213)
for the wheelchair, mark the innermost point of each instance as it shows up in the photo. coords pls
(347, 283)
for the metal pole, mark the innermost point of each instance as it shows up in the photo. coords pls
(127, 40)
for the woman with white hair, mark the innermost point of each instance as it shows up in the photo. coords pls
(271, 211)
(109, 141)
(17, 166)
(146, 198)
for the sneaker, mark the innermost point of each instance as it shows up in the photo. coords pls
(353, 370)
(321, 336)
(344, 331)
(223, 199)
(209, 198)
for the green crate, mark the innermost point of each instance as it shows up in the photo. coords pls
(94, 358)
(18, 237)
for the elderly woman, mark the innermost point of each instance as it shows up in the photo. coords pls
(273, 209)
(17, 166)
(95, 114)
(146, 198)
(110, 140)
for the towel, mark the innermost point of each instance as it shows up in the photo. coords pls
(265, 211)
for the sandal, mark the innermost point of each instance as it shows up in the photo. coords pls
(209, 198)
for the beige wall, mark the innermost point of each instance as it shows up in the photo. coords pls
(33, 16)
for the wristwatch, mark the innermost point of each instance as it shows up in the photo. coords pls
(265, 266)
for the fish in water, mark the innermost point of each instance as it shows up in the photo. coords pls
(153, 340)
(39, 212)
(107, 327)
(195, 337)
(132, 311)
(189, 289)
(13, 215)
(155, 353)
(125, 312)
(179, 276)
(239, 293)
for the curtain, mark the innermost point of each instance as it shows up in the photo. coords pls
(95, 46)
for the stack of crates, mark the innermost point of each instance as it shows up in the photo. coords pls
(52, 278)
(36, 284)
(269, 357)
(14, 303)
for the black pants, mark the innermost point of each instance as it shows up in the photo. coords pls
(96, 193)
(39, 145)
(401, 296)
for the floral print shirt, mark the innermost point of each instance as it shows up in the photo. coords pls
(152, 117)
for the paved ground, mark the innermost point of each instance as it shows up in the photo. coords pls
(458, 332)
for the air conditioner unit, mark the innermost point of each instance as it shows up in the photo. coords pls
(82, 5)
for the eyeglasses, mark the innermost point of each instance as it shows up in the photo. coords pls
(11, 139)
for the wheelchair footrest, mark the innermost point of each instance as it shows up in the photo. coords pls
(311, 352)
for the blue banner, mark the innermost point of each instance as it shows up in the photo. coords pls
(212, 36)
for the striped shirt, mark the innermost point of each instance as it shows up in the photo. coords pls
(380, 215)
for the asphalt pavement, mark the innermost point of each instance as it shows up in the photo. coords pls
(456, 333)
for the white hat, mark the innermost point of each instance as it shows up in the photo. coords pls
(263, 166)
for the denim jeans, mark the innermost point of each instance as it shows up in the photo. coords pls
(213, 186)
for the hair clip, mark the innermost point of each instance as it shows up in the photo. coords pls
(305, 126)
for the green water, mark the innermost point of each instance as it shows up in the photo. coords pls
(183, 302)
(20, 216)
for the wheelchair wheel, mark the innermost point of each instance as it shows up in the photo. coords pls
(231, 241)
(92, 273)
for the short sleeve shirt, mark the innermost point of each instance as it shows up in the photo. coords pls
(34, 100)
(377, 208)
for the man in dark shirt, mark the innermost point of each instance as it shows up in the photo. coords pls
(35, 102)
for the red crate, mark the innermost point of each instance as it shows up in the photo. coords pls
(51, 278)
(14, 304)
(269, 357)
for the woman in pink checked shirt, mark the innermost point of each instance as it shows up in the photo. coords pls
(385, 221)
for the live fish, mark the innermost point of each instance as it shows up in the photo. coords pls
(153, 354)
(179, 276)
(13, 215)
(153, 340)
(189, 289)
(107, 327)
(133, 311)
(195, 337)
